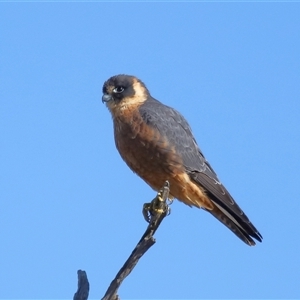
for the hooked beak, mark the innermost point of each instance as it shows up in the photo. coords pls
(106, 98)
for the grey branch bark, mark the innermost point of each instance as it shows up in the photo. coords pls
(154, 212)
(83, 286)
(157, 210)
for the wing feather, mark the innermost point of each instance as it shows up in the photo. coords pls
(173, 125)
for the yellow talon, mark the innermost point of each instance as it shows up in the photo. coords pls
(158, 205)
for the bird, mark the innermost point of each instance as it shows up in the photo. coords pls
(157, 144)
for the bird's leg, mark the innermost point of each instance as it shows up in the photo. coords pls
(159, 204)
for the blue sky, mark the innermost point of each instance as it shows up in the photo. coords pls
(69, 202)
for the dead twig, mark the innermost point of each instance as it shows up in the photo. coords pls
(154, 213)
(83, 286)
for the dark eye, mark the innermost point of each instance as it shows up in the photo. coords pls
(118, 89)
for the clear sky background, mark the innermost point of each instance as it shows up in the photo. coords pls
(69, 202)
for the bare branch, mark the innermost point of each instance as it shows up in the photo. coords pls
(83, 286)
(154, 212)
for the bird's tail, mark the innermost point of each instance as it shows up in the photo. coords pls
(233, 225)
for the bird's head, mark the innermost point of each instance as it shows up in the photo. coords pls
(122, 92)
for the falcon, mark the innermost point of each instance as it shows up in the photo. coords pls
(157, 143)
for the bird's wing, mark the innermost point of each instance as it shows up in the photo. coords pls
(179, 134)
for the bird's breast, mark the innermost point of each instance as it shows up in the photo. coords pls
(145, 150)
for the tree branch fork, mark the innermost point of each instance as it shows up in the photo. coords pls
(154, 213)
